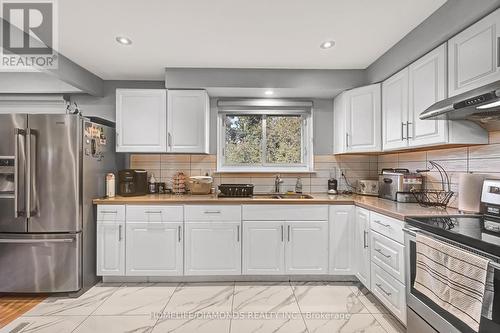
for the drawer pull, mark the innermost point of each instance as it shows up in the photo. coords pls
(380, 287)
(109, 211)
(365, 239)
(179, 232)
(153, 212)
(282, 234)
(212, 212)
(238, 233)
(382, 253)
(382, 224)
(119, 233)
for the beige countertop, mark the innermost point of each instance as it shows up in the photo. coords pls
(383, 206)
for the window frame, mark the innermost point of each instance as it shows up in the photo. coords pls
(307, 155)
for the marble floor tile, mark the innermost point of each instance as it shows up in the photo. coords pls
(81, 306)
(369, 300)
(288, 325)
(193, 326)
(201, 297)
(351, 323)
(46, 324)
(137, 299)
(117, 324)
(264, 297)
(327, 297)
(389, 323)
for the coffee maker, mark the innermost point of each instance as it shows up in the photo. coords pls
(132, 182)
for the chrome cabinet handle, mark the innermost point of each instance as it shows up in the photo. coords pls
(109, 211)
(403, 131)
(179, 233)
(119, 233)
(169, 138)
(498, 51)
(408, 130)
(238, 233)
(347, 140)
(153, 212)
(288, 233)
(282, 233)
(365, 239)
(380, 287)
(382, 253)
(382, 224)
(212, 212)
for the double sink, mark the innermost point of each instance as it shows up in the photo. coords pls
(279, 196)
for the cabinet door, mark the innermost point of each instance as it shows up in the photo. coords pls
(188, 121)
(395, 110)
(263, 247)
(363, 120)
(306, 249)
(212, 248)
(339, 124)
(362, 251)
(473, 57)
(141, 120)
(427, 86)
(154, 249)
(341, 236)
(110, 249)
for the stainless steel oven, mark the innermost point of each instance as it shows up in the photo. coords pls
(423, 314)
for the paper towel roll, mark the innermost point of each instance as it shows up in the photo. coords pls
(469, 192)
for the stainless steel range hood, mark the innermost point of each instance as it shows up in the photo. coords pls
(481, 105)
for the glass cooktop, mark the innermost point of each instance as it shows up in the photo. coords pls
(476, 231)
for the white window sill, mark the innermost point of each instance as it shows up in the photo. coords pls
(265, 170)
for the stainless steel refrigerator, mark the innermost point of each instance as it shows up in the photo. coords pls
(51, 167)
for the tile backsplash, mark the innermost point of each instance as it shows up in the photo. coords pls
(484, 159)
(164, 166)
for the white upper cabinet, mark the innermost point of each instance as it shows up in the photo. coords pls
(473, 55)
(357, 120)
(395, 110)
(141, 120)
(427, 85)
(188, 121)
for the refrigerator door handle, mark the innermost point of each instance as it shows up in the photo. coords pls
(35, 241)
(31, 182)
(17, 212)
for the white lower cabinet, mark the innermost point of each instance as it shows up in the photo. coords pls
(263, 247)
(342, 260)
(212, 248)
(389, 291)
(362, 246)
(306, 249)
(154, 249)
(110, 248)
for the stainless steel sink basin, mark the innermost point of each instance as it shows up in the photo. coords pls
(283, 196)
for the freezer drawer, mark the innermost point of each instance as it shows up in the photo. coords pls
(40, 263)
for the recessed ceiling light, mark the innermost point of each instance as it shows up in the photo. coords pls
(328, 44)
(123, 40)
(269, 92)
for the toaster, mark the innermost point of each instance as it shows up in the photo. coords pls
(367, 187)
(397, 184)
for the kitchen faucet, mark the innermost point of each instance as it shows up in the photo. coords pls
(277, 182)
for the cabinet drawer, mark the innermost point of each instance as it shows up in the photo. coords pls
(387, 226)
(389, 291)
(389, 255)
(155, 213)
(285, 212)
(111, 213)
(213, 213)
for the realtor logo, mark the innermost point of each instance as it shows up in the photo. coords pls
(28, 35)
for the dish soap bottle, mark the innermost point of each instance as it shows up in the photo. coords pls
(298, 185)
(152, 184)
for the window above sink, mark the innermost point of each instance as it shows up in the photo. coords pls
(271, 139)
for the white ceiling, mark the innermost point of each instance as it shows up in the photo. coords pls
(232, 33)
